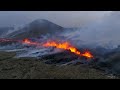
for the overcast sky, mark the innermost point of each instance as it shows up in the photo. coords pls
(63, 18)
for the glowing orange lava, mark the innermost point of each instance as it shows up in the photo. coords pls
(60, 45)
(67, 46)
(87, 54)
(63, 45)
(29, 42)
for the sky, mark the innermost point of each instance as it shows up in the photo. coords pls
(63, 18)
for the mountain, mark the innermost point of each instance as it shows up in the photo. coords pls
(35, 29)
(5, 30)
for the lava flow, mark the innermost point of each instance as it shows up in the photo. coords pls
(60, 45)
(64, 45)
(68, 46)
(29, 42)
(6, 40)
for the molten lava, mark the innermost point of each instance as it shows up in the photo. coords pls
(87, 54)
(68, 46)
(6, 40)
(60, 45)
(29, 42)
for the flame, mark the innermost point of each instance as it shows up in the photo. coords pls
(62, 45)
(87, 54)
(29, 42)
(26, 41)
(68, 46)
(65, 46)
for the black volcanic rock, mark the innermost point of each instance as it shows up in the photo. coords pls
(35, 29)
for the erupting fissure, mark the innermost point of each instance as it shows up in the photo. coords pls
(59, 45)
(68, 46)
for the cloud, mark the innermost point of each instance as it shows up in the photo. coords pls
(105, 31)
(63, 18)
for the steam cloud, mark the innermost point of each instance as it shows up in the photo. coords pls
(103, 32)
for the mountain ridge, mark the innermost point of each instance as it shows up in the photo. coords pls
(36, 28)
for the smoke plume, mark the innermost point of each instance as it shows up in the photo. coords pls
(102, 32)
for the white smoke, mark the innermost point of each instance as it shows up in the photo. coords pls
(102, 32)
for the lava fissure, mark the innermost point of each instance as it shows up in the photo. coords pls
(68, 46)
(59, 45)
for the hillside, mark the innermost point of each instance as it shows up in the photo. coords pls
(35, 29)
(31, 68)
(5, 30)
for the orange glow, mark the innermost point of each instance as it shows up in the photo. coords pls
(29, 42)
(64, 46)
(67, 46)
(87, 54)
(26, 41)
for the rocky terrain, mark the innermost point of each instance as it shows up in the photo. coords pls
(31, 68)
